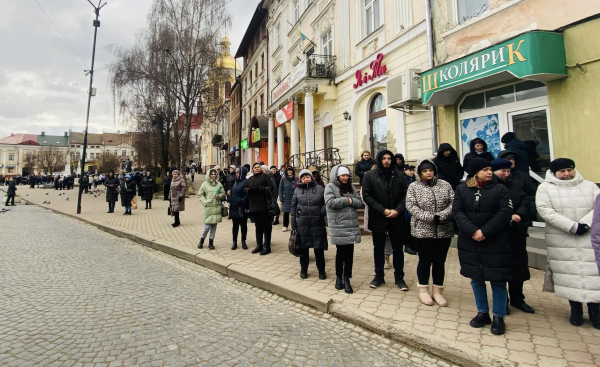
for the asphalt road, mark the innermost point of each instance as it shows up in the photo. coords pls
(72, 295)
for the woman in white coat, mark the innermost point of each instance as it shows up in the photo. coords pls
(566, 203)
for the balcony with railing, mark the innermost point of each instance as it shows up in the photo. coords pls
(321, 66)
(322, 160)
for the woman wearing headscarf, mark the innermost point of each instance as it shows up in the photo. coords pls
(429, 202)
(237, 211)
(308, 220)
(127, 194)
(483, 212)
(342, 201)
(112, 190)
(147, 190)
(211, 194)
(177, 196)
(286, 194)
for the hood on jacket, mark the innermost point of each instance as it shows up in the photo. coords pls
(293, 171)
(208, 179)
(475, 141)
(418, 166)
(443, 147)
(333, 178)
(243, 173)
(380, 158)
(551, 179)
(508, 152)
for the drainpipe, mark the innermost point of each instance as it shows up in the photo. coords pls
(430, 56)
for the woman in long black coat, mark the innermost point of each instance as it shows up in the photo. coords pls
(112, 191)
(482, 210)
(127, 194)
(308, 220)
(166, 186)
(147, 190)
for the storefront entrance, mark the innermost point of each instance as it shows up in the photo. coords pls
(521, 108)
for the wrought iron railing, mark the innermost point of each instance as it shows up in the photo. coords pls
(321, 66)
(322, 160)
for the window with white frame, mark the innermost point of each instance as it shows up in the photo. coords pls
(295, 11)
(372, 16)
(327, 43)
(278, 35)
(403, 15)
(467, 9)
(123, 152)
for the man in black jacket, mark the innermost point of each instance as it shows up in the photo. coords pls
(364, 165)
(258, 192)
(525, 153)
(448, 165)
(384, 191)
(517, 232)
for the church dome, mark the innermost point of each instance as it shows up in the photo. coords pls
(226, 60)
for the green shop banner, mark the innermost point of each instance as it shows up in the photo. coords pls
(535, 55)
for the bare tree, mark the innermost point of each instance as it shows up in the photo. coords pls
(107, 162)
(51, 159)
(169, 68)
(30, 162)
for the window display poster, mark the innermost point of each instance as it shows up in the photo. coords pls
(483, 127)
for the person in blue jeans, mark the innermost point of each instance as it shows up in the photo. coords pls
(483, 211)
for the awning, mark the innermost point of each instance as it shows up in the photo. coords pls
(225, 146)
(536, 55)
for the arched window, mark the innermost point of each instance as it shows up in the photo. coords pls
(216, 92)
(378, 125)
(227, 89)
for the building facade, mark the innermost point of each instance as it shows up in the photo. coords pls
(14, 150)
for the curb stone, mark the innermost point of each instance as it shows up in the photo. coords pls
(451, 351)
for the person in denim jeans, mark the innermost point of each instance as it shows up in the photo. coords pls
(483, 210)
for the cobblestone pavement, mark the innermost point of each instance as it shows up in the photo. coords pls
(72, 295)
(543, 339)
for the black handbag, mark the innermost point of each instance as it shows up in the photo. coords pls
(294, 244)
(169, 210)
(272, 205)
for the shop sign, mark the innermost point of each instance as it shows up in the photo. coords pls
(378, 69)
(285, 114)
(280, 89)
(256, 135)
(298, 72)
(244, 144)
(538, 55)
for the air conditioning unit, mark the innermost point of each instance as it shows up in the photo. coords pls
(404, 89)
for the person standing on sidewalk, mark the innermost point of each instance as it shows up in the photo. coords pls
(483, 210)
(517, 232)
(177, 196)
(364, 165)
(478, 149)
(286, 194)
(277, 178)
(565, 201)
(11, 192)
(385, 193)
(211, 194)
(112, 191)
(237, 211)
(166, 186)
(230, 179)
(308, 220)
(147, 190)
(127, 194)
(342, 200)
(429, 202)
(258, 189)
(448, 165)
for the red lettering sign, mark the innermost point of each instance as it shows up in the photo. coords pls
(377, 70)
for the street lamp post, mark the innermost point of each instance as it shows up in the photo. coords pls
(96, 24)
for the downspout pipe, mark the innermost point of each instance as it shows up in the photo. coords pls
(430, 57)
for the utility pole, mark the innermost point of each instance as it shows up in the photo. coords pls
(96, 24)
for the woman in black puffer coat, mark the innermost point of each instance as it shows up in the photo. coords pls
(483, 210)
(308, 220)
(112, 191)
(147, 190)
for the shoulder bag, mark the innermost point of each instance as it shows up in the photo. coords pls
(294, 244)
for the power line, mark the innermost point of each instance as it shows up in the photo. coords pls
(59, 32)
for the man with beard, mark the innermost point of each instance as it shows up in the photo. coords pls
(384, 191)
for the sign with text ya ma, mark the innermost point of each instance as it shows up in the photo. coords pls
(285, 114)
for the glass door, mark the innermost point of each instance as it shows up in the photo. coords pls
(532, 127)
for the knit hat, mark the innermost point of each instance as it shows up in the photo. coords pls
(176, 171)
(561, 163)
(409, 166)
(128, 176)
(232, 166)
(426, 165)
(507, 154)
(499, 163)
(304, 172)
(342, 171)
(508, 137)
(477, 164)
(266, 168)
(217, 167)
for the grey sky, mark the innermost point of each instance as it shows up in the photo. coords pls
(42, 83)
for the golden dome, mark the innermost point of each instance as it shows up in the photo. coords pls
(226, 60)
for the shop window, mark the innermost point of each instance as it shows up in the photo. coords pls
(532, 128)
(530, 89)
(10, 170)
(467, 9)
(378, 125)
(372, 16)
(473, 102)
(500, 96)
(327, 43)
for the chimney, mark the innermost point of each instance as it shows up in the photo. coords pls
(66, 134)
(43, 133)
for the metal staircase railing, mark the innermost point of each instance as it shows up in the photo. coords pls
(322, 160)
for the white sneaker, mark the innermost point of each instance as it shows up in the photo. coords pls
(284, 229)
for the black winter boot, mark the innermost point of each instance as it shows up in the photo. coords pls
(576, 318)
(339, 282)
(347, 286)
(211, 245)
(594, 313)
(498, 327)
(257, 249)
(201, 244)
(481, 320)
(266, 250)
(244, 246)
(234, 246)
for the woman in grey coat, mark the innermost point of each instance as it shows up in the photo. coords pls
(342, 200)
(286, 193)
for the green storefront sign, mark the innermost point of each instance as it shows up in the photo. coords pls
(536, 55)
(244, 144)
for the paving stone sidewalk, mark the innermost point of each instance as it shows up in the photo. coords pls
(543, 339)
